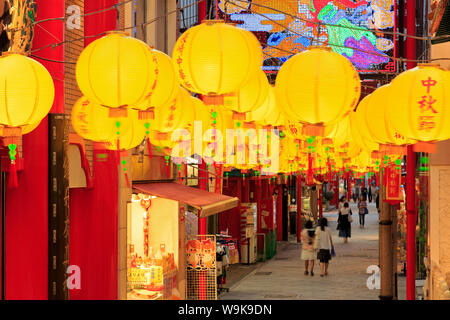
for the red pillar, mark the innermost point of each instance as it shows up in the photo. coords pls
(94, 212)
(279, 217)
(201, 11)
(321, 201)
(202, 185)
(411, 217)
(299, 208)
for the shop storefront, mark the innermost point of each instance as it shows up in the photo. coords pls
(165, 257)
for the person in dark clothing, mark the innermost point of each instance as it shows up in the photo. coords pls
(377, 201)
(344, 222)
(370, 194)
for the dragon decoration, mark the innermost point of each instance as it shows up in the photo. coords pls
(353, 29)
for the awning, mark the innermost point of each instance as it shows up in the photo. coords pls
(207, 203)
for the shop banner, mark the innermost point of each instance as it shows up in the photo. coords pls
(393, 184)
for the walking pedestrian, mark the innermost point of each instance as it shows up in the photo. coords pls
(344, 223)
(377, 199)
(324, 243)
(308, 251)
(341, 203)
(362, 206)
(370, 194)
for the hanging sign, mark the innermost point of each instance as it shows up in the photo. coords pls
(393, 185)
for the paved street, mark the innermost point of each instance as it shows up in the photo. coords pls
(283, 278)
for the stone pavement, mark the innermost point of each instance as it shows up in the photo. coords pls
(283, 278)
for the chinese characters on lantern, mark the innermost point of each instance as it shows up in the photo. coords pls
(428, 112)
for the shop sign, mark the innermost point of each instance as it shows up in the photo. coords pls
(393, 184)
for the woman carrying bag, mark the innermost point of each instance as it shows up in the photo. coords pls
(323, 243)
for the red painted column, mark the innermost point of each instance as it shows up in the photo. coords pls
(94, 212)
(411, 216)
(202, 185)
(321, 201)
(258, 199)
(201, 11)
(279, 217)
(99, 22)
(299, 208)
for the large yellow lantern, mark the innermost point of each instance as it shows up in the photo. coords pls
(177, 115)
(128, 139)
(374, 113)
(26, 96)
(317, 87)
(262, 113)
(166, 85)
(340, 132)
(92, 122)
(116, 71)
(419, 103)
(251, 95)
(215, 58)
(359, 131)
(26, 90)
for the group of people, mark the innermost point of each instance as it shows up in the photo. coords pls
(317, 243)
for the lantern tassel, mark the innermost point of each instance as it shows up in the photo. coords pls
(127, 180)
(12, 180)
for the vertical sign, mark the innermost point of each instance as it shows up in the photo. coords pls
(393, 183)
(58, 218)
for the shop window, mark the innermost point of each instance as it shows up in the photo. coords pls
(153, 271)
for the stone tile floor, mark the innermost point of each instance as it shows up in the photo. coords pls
(283, 278)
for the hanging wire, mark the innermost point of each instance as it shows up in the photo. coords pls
(400, 59)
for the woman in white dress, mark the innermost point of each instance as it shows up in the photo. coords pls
(308, 252)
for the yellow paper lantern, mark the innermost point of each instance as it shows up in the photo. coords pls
(116, 71)
(91, 121)
(130, 138)
(26, 90)
(166, 85)
(215, 58)
(419, 103)
(340, 132)
(177, 115)
(251, 95)
(374, 115)
(30, 128)
(317, 86)
(359, 131)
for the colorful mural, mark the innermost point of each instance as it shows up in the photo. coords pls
(286, 27)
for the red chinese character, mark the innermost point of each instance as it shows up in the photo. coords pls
(426, 123)
(429, 83)
(82, 117)
(426, 105)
